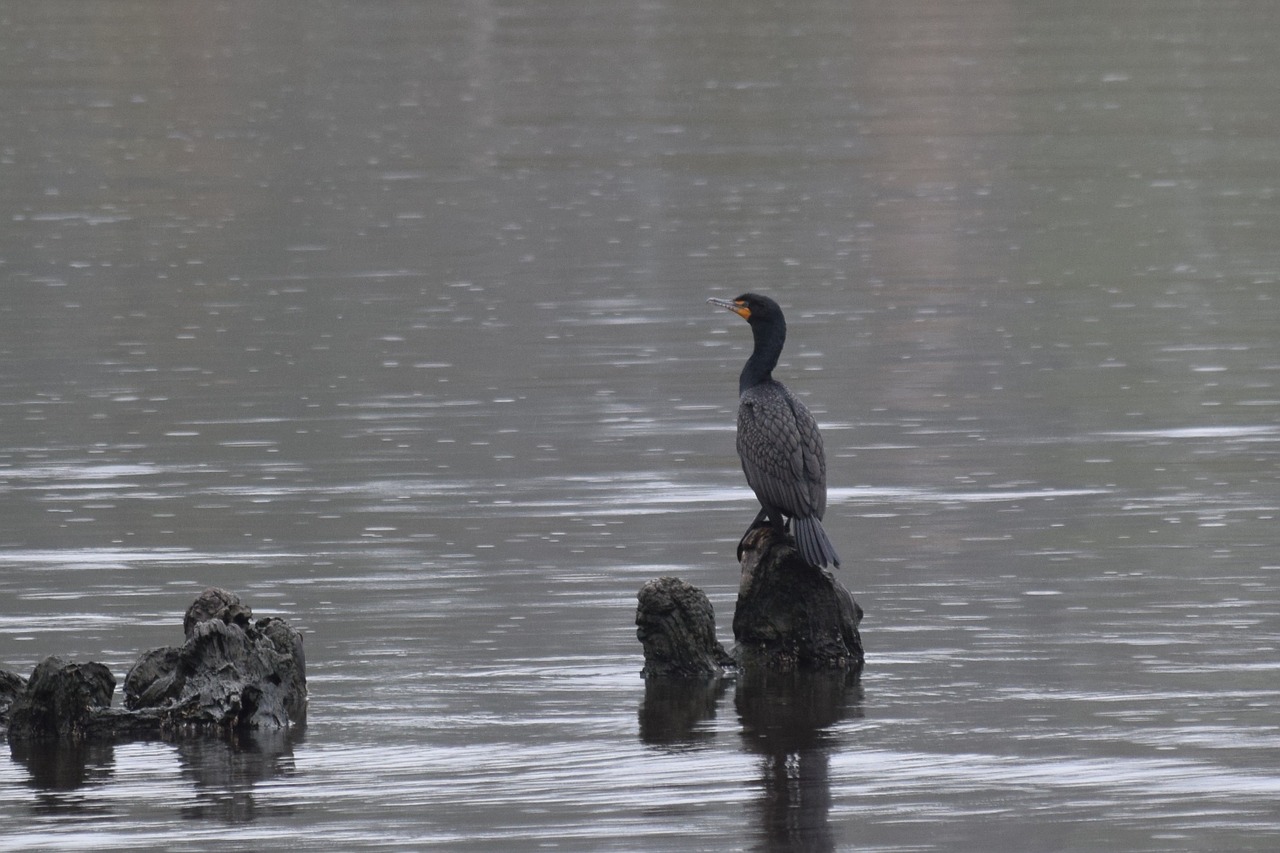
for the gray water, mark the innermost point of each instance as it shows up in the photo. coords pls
(390, 317)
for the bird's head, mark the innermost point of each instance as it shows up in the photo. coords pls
(751, 307)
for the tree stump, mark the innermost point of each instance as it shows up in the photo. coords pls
(12, 686)
(230, 674)
(61, 700)
(677, 627)
(789, 614)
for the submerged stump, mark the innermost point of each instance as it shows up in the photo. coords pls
(677, 627)
(61, 700)
(789, 615)
(12, 686)
(231, 673)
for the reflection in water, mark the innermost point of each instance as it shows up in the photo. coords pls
(674, 709)
(786, 719)
(58, 768)
(226, 772)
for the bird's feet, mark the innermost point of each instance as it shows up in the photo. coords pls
(756, 525)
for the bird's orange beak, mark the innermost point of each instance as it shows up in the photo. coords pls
(738, 308)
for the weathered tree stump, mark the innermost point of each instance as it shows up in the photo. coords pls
(218, 604)
(789, 614)
(61, 699)
(677, 626)
(230, 674)
(12, 685)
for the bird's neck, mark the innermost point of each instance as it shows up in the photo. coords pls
(764, 358)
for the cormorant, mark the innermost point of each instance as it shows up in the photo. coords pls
(778, 440)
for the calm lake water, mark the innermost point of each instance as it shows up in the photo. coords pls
(389, 316)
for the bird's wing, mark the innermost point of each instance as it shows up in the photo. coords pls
(773, 453)
(814, 459)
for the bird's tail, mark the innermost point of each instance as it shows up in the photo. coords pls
(813, 544)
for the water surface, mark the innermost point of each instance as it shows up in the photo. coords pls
(390, 317)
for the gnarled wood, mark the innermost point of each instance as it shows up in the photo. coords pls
(789, 614)
(677, 627)
(231, 673)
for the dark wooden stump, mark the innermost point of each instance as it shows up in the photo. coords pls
(231, 674)
(61, 699)
(677, 627)
(789, 614)
(12, 686)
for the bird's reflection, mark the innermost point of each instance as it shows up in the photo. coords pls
(786, 719)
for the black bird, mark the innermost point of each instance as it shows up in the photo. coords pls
(778, 440)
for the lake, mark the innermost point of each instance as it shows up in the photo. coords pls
(390, 317)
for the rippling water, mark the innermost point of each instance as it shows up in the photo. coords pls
(390, 317)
